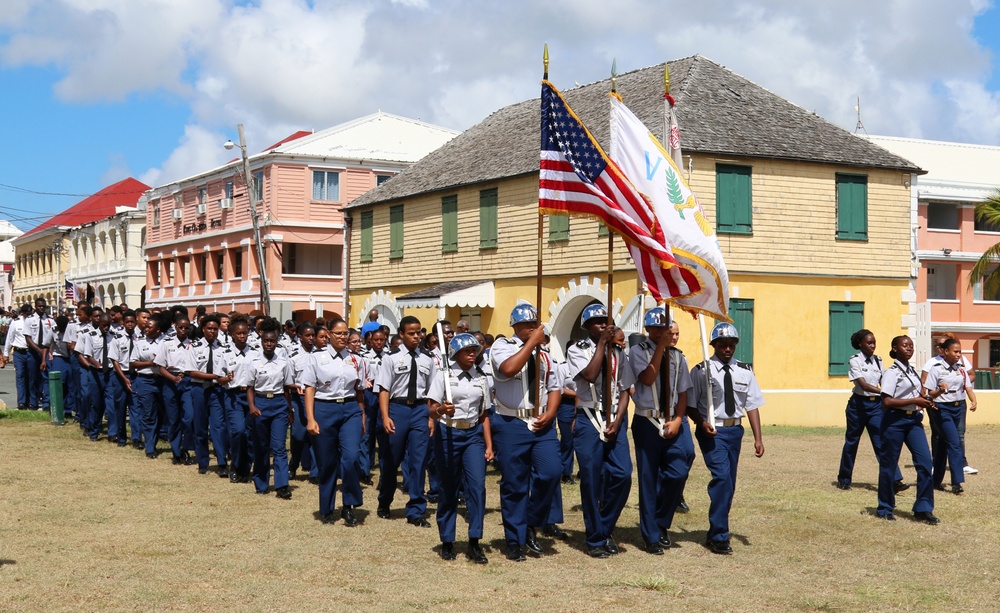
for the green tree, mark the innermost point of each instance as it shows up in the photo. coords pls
(987, 269)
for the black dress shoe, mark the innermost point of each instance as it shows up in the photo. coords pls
(683, 507)
(845, 486)
(475, 552)
(223, 472)
(383, 512)
(568, 480)
(554, 531)
(112, 440)
(202, 470)
(888, 517)
(151, 456)
(957, 488)
(283, 492)
(177, 460)
(138, 445)
(347, 514)
(531, 541)
(314, 480)
(122, 442)
(367, 480)
(432, 498)
(419, 522)
(598, 552)
(719, 547)
(665, 539)
(461, 500)
(515, 553)
(329, 518)
(22, 407)
(234, 478)
(188, 460)
(927, 517)
(655, 549)
(899, 486)
(447, 551)
(612, 546)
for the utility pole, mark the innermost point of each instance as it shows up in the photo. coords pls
(265, 294)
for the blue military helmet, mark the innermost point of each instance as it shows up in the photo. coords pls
(463, 341)
(523, 313)
(593, 311)
(724, 330)
(656, 317)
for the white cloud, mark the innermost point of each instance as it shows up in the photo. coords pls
(198, 150)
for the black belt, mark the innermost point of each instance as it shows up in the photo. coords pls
(340, 400)
(406, 402)
(866, 397)
(953, 403)
(144, 375)
(239, 388)
(267, 394)
(20, 349)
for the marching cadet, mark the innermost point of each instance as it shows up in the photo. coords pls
(146, 385)
(373, 358)
(565, 420)
(39, 330)
(524, 438)
(675, 337)
(208, 396)
(462, 443)
(95, 352)
(301, 446)
(945, 384)
(664, 450)
(334, 379)
(603, 455)
(224, 338)
(904, 401)
(402, 384)
(239, 361)
(270, 411)
(288, 339)
(16, 342)
(59, 356)
(175, 361)
(83, 386)
(735, 395)
(121, 353)
(73, 328)
(436, 348)
(864, 409)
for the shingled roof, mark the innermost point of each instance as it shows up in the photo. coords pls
(719, 112)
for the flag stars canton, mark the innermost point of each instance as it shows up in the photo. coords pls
(566, 133)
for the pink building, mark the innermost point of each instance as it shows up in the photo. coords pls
(199, 238)
(949, 241)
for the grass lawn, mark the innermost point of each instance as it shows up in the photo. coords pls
(89, 526)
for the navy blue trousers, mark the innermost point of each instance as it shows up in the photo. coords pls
(209, 423)
(98, 385)
(412, 439)
(38, 388)
(270, 431)
(337, 448)
(862, 413)
(564, 419)
(722, 457)
(302, 453)
(63, 367)
(529, 475)
(115, 399)
(237, 413)
(945, 420)
(179, 412)
(146, 394)
(368, 439)
(21, 378)
(897, 429)
(662, 466)
(461, 459)
(605, 478)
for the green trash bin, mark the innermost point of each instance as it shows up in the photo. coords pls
(982, 380)
(996, 380)
(56, 398)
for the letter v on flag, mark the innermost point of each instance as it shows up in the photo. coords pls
(699, 283)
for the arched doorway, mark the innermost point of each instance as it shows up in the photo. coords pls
(564, 311)
(389, 312)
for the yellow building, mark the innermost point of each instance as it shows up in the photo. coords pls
(814, 224)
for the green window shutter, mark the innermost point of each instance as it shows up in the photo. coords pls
(488, 219)
(741, 310)
(846, 318)
(396, 231)
(602, 230)
(449, 224)
(367, 235)
(733, 199)
(852, 207)
(558, 228)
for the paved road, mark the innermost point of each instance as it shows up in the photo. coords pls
(8, 391)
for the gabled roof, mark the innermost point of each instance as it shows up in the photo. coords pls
(946, 162)
(719, 112)
(125, 193)
(379, 136)
(8, 230)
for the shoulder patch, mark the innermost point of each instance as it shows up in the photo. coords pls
(699, 366)
(744, 365)
(583, 344)
(510, 341)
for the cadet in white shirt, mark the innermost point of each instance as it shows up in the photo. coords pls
(373, 358)
(334, 379)
(39, 330)
(524, 436)
(239, 361)
(15, 342)
(146, 385)
(970, 393)
(175, 361)
(601, 448)
(209, 377)
(462, 443)
(945, 383)
(301, 448)
(121, 351)
(270, 412)
(95, 350)
(735, 395)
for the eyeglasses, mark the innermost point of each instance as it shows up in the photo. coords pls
(341, 333)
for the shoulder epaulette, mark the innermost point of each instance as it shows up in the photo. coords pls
(510, 341)
(676, 349)
(583, 344)
(396, 350)
(744, 365)
(699, 366)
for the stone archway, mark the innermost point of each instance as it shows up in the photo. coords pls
(564, 311)
(389, 312)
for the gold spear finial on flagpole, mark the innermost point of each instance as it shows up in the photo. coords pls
(545, 62)
(614, 75)
(666, 78)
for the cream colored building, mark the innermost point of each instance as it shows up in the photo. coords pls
(106, 256)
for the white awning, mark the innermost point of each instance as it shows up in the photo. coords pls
(472, 294)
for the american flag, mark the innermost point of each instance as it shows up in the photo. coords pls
(578, 178)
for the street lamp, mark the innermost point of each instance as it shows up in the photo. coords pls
(265, 294)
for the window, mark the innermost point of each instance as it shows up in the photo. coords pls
(326, 185)
(219, 258)
(202, 195)
(942, 216)
(380, 179)
(985, 226)
(154, 272)
(978, 291)
(741, 310)
(227, 191)
(170, 276)
(942, 282)
(236, 255)
(449, 224)
(474, 317)
(733, 200)
(994, 353)
(488, 219)
(846, 318)
(202, 261)
(558, 228)
(852, 207)
(602, 230)
(367, 235)
(156, 215)
(396, 231)
(311, 259)
(258, 185)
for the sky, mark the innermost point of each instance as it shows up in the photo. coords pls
(93, 91)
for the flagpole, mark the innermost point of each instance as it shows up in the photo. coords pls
(538, 274)
(609, 349)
